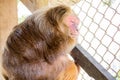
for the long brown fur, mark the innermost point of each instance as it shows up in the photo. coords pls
(36, 48)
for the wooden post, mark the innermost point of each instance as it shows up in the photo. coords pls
(66, 2)
(41, 3)
(89, 64)
(8, 19)
(33, 5)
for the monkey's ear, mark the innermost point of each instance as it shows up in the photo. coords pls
(55, 15)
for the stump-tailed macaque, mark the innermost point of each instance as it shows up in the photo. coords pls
(38, 48)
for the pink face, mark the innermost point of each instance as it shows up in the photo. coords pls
(72, 22)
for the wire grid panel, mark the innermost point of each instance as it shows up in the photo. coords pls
(100, 33)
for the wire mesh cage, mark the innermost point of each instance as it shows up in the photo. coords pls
(100, 33)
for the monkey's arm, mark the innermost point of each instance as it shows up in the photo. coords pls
(70, 73)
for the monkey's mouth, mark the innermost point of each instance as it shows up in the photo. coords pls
(72, 22)
(74, 29)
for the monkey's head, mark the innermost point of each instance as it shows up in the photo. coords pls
(64, 23)
(43, 35)
(64, 19)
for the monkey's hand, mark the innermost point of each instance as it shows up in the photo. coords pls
(70, 73)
